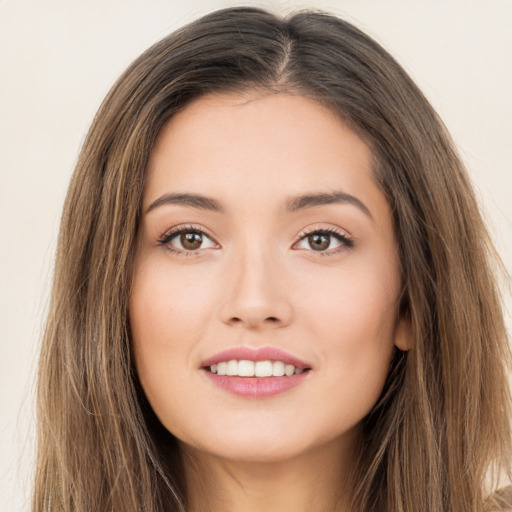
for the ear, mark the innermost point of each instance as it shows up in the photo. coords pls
(403, 333)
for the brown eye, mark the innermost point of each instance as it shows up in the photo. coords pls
(319, 241)
(324, 241)
(187, 240)
(191, 241)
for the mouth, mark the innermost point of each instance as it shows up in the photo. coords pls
(261, 369)
(256, 373)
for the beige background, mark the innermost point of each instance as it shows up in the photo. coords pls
(59, 58)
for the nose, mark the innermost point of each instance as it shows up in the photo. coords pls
(256, 292)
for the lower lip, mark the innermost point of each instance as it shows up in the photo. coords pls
(257, 387)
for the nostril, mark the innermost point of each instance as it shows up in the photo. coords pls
(254, 319)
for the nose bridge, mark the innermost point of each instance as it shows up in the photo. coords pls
(257, 292)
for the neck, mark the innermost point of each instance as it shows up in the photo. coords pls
(314, 481)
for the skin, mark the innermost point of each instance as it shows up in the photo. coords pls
(256, 280)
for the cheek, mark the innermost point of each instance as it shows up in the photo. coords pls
(357, 305)
(165, 306)
(354, 325)
(165, 326)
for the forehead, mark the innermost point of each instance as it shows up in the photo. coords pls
(265, 145)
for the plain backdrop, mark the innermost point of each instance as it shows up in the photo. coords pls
(59, 58)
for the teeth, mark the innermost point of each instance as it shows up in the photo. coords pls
(278, 369)
(244, 368)
(263, 369)
(232, 368)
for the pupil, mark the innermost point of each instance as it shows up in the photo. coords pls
(319, 242)
(191, 240)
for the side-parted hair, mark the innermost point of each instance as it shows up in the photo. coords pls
(439, 438)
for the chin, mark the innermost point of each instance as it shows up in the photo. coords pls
(257, 445)
(253, 452)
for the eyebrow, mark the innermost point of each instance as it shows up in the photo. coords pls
(292, 205)
(325, 198)
(191, 200)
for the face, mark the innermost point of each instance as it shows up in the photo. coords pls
(265, 240)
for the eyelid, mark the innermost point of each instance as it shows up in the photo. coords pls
(346, 241)
(167, 236)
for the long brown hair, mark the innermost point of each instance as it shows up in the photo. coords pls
(439, 437)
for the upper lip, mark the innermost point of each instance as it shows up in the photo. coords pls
(256, 354)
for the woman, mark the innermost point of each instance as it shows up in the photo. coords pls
(273, 289)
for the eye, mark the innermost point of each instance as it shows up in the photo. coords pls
(324, 241)
(186, 240)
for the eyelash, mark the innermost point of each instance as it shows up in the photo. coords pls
(173, 233)
(345, 241)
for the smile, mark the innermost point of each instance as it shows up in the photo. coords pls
(246, 368)
(255, 373)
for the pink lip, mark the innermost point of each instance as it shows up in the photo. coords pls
(256, 354)
(256, 387)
